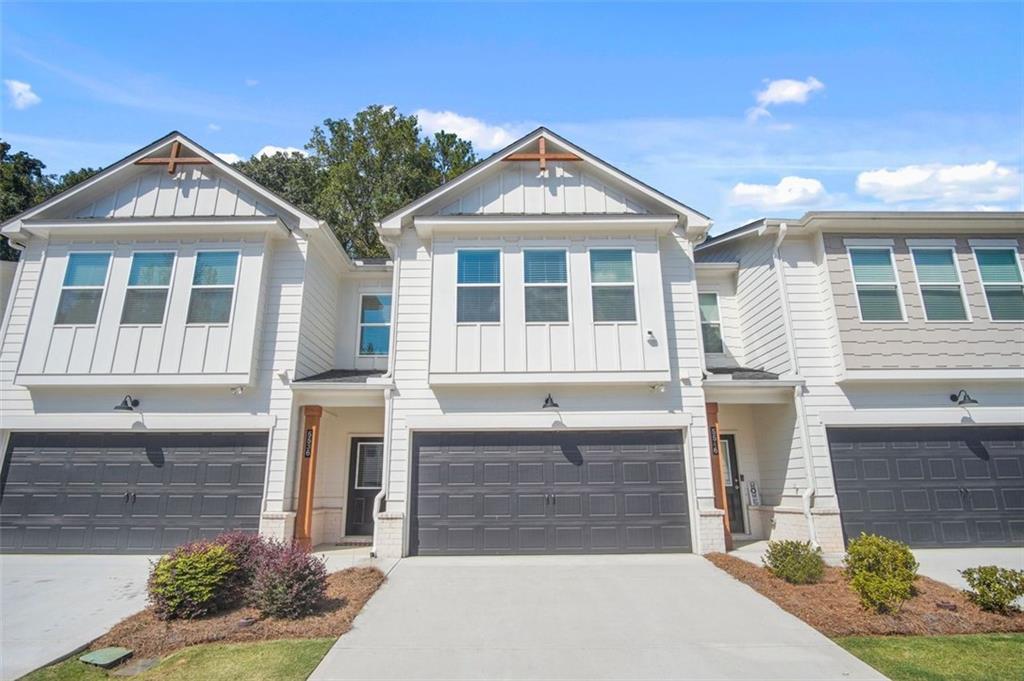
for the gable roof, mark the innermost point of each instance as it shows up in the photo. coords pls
(393, 223)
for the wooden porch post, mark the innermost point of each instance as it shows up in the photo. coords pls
(717, 474)
(307, 475)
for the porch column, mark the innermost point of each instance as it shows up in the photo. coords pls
(307, 474)
(717, 474)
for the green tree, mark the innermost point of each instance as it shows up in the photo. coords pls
(22, 185)
(294, 177)
(69, 179)
(452, 155)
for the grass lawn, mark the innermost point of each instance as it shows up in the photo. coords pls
(973, 657)
(284, 660)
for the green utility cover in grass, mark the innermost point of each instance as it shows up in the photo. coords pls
(106, 657)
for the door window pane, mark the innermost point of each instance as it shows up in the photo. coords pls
(370, 465)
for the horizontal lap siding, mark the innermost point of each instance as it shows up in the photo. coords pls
(13, 399)
(320, 302)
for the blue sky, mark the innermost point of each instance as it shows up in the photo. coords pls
(739, 110)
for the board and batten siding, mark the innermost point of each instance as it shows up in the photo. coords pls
(519, 188)
(758, 301)
(109, 348)
(514, 346)
(916, 342)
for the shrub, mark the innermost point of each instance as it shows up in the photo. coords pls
(882, 571)
(290, 582)
(191, 581)
(248, 549)
(795, 561)
(994, 588)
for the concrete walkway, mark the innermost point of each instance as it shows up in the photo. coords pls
(594, 618)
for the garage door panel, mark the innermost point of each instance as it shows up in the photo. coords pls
(945, 487)
(111, 492)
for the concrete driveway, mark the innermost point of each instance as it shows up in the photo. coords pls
(53, 605)
(944, 565)
(602, 617)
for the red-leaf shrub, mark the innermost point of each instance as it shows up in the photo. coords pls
(290, 582)
(248, 549)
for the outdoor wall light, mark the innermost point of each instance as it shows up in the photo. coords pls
(549, 403)
(127, 404)
(962, 398)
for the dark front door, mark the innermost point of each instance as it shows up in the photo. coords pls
(549, 492)
(733, 488)
(366, 467)
(931, 486)
(128, 492)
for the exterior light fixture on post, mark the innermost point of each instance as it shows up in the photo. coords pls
(962, 398)
(549, 403)
(127, 404)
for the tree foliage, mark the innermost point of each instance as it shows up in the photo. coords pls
(294, 177)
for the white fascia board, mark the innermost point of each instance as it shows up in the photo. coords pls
(920, 375)
(120, 227)
(327, 386)
(930, 222)
(551, 378)
(550, 419)
(31, 380)
(717, 267)
(427, 226)
(946, 416)
(341, 398)
(139, 421)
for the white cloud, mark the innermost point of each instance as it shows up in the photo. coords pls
(228, 157)
(213, 127)
(483, 136)
(251, 82)
(790, 191)
(270, 150)
(783, 91)
(976, 183)
(21, 94)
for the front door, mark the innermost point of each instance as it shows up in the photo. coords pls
(733, 493)
(365, 472)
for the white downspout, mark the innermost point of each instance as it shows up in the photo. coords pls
(378, 500)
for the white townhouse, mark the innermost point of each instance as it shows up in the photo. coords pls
(556, 359)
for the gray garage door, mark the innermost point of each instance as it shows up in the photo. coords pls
(123, 492)
(549, 492)
(931, 486)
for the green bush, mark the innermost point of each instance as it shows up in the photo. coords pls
(797, 562)
(193, 580)
(994, 588)
(882, 571)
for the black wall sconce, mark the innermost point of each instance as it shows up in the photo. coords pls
(549, 403)
(962, 398)
(127, 404)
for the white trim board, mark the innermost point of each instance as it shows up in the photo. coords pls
(921, 375)
(547, 378)
(140, 421)
(549, 419)
(945, 416)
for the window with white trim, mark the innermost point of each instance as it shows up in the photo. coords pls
(213, 287)
(546, 283)
(82, 291)
(374, 324)
(149, 282)
(369, 465)
(874, 277)
(942, 290)
(478, 284)
(1004, 286)
(612, 286)
(710, 322)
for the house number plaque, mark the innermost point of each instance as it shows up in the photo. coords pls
(307, 450)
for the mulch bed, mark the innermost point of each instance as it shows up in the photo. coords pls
(834, 609)
(147, 636)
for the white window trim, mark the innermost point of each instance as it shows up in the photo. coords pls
(896, 283)
(568, 277)
(590, 280)
(168, 286)
(103, 289)
(981, 280)
(360, 324)
(234, 286)
(959, 283)
(500, 284)
(718, 307)
(359, 461)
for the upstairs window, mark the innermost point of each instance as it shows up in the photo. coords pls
(938, 277)
(213, 287)
(612, 285)
(82, 291)
(545, 277)
(148, 284)
(710, 323)
(1004, 286)
(374, 325)
(874, 277)
(479, 286)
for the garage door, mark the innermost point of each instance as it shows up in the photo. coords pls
(549, 492)
(123, 492)
(931, 486)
